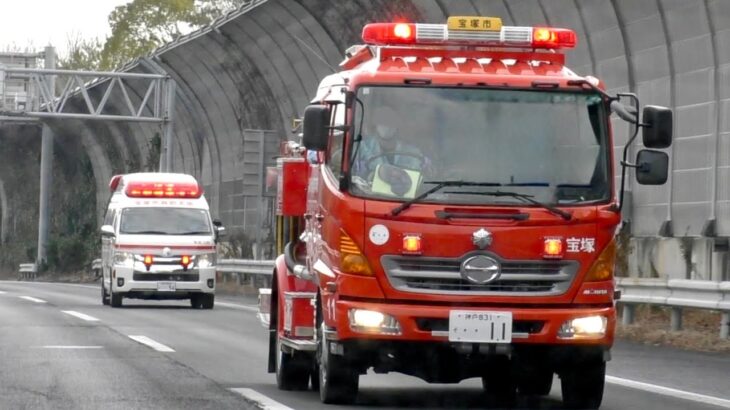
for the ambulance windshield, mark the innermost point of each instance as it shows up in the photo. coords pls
(164, 221)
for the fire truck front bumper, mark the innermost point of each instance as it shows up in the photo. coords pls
(362, 320)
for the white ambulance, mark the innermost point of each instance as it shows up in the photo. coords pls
(158, 240)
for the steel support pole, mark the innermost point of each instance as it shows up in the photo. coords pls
(167, 127)
(46, 171)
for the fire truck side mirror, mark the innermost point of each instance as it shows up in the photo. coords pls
(316, 126)
(657, 124)
(652, 167)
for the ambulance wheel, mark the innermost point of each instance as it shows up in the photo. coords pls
(207, 301)
(338, 381)
(104, 295)
(582, 385)
(292, 369)
(116, 299)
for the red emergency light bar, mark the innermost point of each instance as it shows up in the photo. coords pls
(442, 34)
(163, 190)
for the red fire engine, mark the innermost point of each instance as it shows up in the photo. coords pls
(451, 213)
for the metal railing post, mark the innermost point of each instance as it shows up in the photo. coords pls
(676, 319)
(627, 317)
(725, 325)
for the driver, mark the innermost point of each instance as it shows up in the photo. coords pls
(382, 146)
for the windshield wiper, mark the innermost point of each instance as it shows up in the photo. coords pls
(146, 233)
(193, 233)
(438, 185)
(529, 198)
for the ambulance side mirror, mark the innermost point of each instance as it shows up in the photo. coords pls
(220, 230)
(108, 231)
(316, 127)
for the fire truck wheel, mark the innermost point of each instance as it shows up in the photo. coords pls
(499, 385)
(537, 383)
(292, 369)
(207, 301)
(104, 295)
(338, 381)
(116, 299)
(582, 385)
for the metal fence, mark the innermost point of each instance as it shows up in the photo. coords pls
(673, 293)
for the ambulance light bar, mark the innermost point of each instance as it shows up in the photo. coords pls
(469, 31)
(163, 190)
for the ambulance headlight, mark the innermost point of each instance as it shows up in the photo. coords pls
(205, 260)
(125, 259)
(588, 327)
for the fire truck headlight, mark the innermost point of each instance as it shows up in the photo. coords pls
(370, 321)
(124, 259)
(584, 327)
(205, 260)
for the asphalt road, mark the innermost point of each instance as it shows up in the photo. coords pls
(61, 349)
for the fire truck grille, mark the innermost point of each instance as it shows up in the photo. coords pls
(443, 275)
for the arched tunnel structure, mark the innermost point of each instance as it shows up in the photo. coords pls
(257, 67)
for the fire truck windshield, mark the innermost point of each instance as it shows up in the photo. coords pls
(549, 144)
(164, 221)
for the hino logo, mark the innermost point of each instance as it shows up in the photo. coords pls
(480, 269)
(481, 238)
(166, 252)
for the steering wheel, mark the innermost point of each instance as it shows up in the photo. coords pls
(421, 158)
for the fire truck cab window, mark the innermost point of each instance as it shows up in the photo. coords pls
(548, 144)
(336, 139)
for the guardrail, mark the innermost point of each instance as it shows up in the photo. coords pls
(27, 271)
(96, 267)
(677, 294)
(246, 271)
(674, 293)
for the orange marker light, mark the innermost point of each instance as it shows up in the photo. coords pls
(185, 261)
(553, 248)
(148, 260)
(411, 244)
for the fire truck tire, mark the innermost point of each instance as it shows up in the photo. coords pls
(207, 301)
(116, 299)
(582, 385)
(338, 381)
(104, 295)
(537, 383)
(292, 369)
(500, 386)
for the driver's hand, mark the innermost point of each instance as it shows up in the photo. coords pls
(361, 183)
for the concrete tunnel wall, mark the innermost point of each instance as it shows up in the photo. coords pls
(257, 67)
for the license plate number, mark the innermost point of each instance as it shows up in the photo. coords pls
(165, 286)
(480, 327)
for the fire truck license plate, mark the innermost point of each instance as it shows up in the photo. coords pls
(165, 286)
(480, 326)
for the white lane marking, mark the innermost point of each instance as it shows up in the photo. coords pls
(68, 347)
(264, 402)
(32, 299)
(80, 315)
(151, 343)
(237, 306)
(667, 391)
(2, 292)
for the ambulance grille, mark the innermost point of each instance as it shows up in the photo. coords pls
(443, 275)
